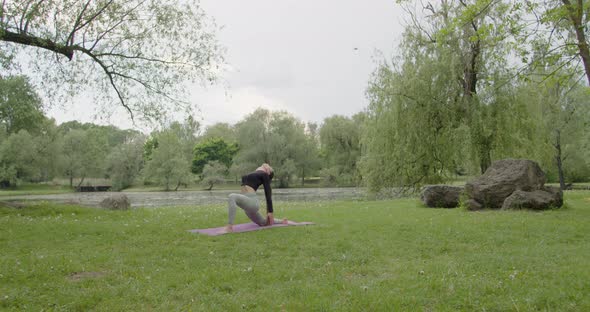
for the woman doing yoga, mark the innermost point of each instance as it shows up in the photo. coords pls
(248, 201)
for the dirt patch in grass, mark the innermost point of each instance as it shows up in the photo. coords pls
(78, 276)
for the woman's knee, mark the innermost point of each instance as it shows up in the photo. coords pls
(232, 198)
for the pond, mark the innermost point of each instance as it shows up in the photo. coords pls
(190, 198)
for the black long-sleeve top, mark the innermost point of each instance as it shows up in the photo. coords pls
(254, 180)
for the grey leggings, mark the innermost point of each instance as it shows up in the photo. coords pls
(249, 203)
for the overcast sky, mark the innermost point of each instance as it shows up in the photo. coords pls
(310, 58)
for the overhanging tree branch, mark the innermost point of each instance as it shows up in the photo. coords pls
(110, 76)
(147, 49)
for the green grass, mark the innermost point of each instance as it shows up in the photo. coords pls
(360, 256)
(35, 189)
(575, 186)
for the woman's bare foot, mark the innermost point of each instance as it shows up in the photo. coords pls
(229, 228)
(285, 221)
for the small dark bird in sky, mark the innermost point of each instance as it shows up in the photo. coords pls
(356, 49)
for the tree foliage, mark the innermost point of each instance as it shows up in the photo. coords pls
(449, 103)
(212, 150)
(560, 37)
(47, 150)
(221, 130)
(340, 141)
(20, 106)
(559, 114)
(17, 159)
(272, 137)
(83, 154)
(149, 146)
(111, 135)
(309, 161)
(139, 53)
(168, 166)
(213, 173)
(411, 125)
(125, 162)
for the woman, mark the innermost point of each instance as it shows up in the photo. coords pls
(248, 201)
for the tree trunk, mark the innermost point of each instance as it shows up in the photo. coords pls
(81, 181)
(485, 155)
(71, 181)
(303, 177)
(559, 159)
(576, 16)
(584, 53)
(177, 186)
(470, 80)
(470, 71)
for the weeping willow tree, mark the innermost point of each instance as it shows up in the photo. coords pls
(445, 105)
(413, 134)
(340, 149)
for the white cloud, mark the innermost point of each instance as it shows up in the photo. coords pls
(219, 106)
(83, 109)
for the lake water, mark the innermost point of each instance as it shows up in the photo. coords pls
(190, 198)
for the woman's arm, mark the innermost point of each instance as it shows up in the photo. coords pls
(268, 195)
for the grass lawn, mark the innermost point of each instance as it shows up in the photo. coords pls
(36, 189)
(365, 255)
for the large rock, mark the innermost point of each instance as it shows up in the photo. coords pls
(546, 198)
(117, 201)
(472, 204)
(441, 196)
(502, 179)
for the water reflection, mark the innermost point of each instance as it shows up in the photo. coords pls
(190, 198)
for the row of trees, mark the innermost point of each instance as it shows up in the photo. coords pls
(33, 148)
(404, 138)
(474, 81)
(296, 150)
(478, 80)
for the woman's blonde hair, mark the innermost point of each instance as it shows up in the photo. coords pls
(266, 168)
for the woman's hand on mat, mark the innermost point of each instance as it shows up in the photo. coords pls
(270, 220)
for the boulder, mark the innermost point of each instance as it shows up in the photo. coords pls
(502, 178)
(472, 204)
(442, 196)
(117, 201)
(546, 198)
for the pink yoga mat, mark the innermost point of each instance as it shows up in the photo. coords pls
(245, 227)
